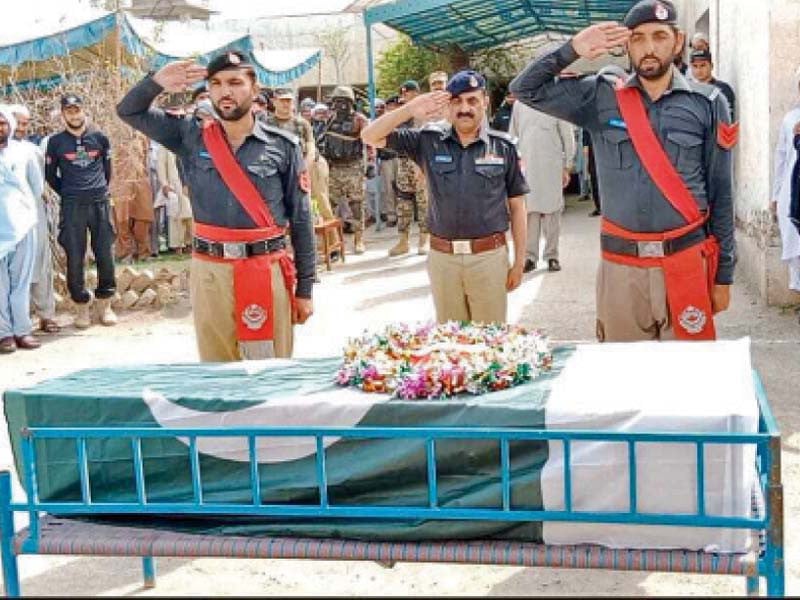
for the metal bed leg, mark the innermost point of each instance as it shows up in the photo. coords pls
(773, 555)
(149, 568)
(752, 586)
(10, 567)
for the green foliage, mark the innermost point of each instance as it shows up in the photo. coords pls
(403, 61)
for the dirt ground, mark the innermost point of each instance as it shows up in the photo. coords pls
(368, 291)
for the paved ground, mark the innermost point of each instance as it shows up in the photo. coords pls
(368, 291)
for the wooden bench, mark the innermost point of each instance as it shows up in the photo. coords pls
(326, 247)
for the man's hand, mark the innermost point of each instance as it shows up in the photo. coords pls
(598, 40)
(514, 277)
(180, 75)
(428, 107)
(303, 308)
(720, 298)
(797, 128)
(566, 177)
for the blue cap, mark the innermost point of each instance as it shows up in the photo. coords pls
(465, 81)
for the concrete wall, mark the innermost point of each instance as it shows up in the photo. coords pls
(756, 53)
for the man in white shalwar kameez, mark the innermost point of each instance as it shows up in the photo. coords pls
(785, 158)
(547, 148)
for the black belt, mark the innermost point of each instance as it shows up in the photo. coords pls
(616, 245)
(234, 250)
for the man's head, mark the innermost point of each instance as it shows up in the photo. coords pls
(700, 41)
(392, 103)
(468, 101)
(200, 93)
(232, 85)
(23, 118)
(510, 98)
(260, 103)
(343, 99)
(284, 103)
(409, 90)
(72, 111)
(306, 107)
(437, 81)
(7, 125)
(702, 65)
(380, 107)
(655, 39)
(320, 112)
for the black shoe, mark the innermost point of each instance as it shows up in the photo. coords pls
(594, 213)
(530, 265)
(553, 265)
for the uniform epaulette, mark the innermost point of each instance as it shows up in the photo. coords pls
(704, 89)
(280, 131)
(502, 135)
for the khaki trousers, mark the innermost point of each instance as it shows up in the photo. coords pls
(469, 287)
(211, 287)
(631, 304)
(547, 225)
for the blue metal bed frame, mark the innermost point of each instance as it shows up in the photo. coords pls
(769, 564)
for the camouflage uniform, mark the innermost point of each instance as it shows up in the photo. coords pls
(410, 189)
(346, 186)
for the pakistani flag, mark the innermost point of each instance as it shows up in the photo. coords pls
(590, 387)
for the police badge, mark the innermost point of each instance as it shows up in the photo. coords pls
(254, 317)
(693, 320)
(661, 11)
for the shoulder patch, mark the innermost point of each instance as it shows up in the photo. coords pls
(502, 135)
(709, 91)
(280, 131)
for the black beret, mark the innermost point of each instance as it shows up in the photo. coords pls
(465, 81)
(651, 11)
(70, 100)
(700, 55)
(227, 61)
(409, 85)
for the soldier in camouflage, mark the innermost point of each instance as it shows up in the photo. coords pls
(342, 147)
(410, 190)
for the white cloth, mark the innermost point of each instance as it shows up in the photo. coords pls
(785, 159)
(547, 147)
(21, 184)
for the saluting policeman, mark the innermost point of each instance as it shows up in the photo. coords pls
(248, 183)
(476, 189)
(662, 146)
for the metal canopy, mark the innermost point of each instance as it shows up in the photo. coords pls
(471, 25)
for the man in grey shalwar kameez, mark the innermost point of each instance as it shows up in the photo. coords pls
(547, 147)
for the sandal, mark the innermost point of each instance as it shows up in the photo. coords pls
(49, 326)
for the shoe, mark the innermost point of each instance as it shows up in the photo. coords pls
(530, 265)
(27, 342)
(83, 317)
(49, 326)
(401, 247)
(553, 265)
(105, 314)
(422, 248)
(594, 213)
(359, 243)
(8, 345)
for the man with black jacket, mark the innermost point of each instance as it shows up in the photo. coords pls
(78, 168)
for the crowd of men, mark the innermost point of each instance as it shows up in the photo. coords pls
(430, 156)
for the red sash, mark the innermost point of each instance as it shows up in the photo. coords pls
(690, 274)
(252, 277)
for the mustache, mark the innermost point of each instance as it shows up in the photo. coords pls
(650, 57)
(465, 114)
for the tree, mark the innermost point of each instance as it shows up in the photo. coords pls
(403, 61)
(335, 43)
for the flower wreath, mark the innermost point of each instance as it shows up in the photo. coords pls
(431, 361)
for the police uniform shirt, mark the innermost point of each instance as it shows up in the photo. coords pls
(685, 118)
(468, 187)
(79, 167)
(270, 157)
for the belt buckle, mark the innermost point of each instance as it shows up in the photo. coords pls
(650, 249)
(461, 246)
(234, 250)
